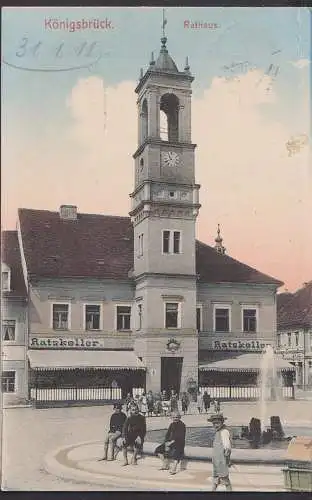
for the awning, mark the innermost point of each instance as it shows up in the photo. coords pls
(244, 363)
(71, 359)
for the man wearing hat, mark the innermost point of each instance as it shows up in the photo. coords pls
(173, 445)
(221, 452)
(133, 433)
(116, 424)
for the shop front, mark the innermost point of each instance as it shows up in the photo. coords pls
(81, 372)
(231, 370)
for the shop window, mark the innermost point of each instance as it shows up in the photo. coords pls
(8, 381)
(249, 320)
(60, 316)
(92, 317)
(289, 339)
(123, 317)
(8, 329)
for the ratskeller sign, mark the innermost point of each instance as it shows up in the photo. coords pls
(239, 345)
(65, 342)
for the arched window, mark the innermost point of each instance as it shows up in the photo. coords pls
(163, 124)
(144, 120)
(169, 112)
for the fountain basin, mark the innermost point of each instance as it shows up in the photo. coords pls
(238, 456)
(199, 445)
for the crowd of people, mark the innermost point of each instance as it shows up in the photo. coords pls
(164, 403)
(127, 432)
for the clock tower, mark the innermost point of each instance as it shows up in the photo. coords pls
(165, 205)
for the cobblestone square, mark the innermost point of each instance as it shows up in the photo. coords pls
(29, 435)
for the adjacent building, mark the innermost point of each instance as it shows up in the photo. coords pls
(294, 332)
(130, 303)
(14, 320)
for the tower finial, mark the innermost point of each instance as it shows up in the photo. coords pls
(218, 246)
(187, 66)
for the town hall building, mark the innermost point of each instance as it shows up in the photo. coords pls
(118, 304)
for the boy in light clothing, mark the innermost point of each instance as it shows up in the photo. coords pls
(221, 455)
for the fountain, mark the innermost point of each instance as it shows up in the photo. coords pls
(270, 384)
(264, 430)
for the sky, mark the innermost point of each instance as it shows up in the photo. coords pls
(69, 119)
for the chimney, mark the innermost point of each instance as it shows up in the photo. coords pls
(68, 212)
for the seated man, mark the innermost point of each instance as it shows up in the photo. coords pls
(133, 434)
(116, 424)
(173, 446)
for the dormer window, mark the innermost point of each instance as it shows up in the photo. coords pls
(5, 278)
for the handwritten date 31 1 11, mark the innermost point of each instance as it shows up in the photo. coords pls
(41, 56)
(35, 49)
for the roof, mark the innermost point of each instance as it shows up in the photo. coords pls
(10, 255)
(69, 359)
(297, 311)
(282, 299)
(94, 246)
(165, 61)
(244, 362)
(101, 246)
(214, 267)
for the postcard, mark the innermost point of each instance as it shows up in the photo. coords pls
(156, 271)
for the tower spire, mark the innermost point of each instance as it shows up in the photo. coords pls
(163, 37)
(164, 22)
(218, 246)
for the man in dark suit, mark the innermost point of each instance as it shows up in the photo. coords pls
(116, 424)
(133, 434)
(173, 445)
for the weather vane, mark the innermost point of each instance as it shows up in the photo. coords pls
(164, 23)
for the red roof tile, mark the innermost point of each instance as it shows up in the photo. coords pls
(101, 246)
(296, 312)
(10, 255)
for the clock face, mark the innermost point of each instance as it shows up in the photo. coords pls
(170, 159)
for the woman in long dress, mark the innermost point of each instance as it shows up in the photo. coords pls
(174, 402)
(143, 404)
